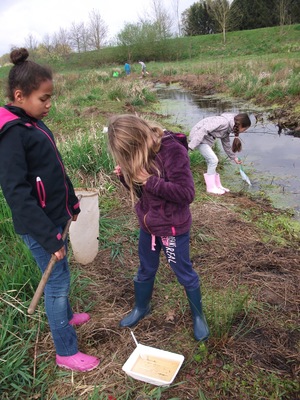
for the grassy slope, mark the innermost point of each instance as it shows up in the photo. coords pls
(258, 42)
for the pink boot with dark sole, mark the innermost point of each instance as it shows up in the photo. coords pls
(79, 319)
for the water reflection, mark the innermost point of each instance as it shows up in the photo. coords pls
(272, 157)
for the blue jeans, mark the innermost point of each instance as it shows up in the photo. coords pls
(56, 293)
(177, 252)
(210, 158)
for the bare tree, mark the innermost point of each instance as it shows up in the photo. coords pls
(175, 6)
(61, 43)
(284, 16)
(47, 43)
(31, 42)
(220, 11)
(76, 34)
(159, 16)
(85, 38)
(45, 49)
(98, 30)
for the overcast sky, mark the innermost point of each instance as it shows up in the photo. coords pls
(21, 18)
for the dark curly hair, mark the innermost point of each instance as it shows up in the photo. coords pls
(25, 75)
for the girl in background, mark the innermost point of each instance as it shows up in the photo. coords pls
(203, 136)
(41, 197)
(155, 168)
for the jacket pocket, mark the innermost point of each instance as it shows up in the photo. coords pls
(41, 192)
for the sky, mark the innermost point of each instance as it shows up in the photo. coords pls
(21, 18)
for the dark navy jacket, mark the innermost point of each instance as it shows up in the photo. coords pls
(164, 206)
(33, 178)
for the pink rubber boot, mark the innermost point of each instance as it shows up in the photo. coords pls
(211, 187)
(79, 319)
(219, 184)
(78, 362)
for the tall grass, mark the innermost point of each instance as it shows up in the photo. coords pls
(22, 370)
(86, 156)
(17, 333)
(269, 82)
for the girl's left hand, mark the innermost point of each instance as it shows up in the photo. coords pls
(117, 170)
(238, 160)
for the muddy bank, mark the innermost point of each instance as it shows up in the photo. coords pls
(285, 115)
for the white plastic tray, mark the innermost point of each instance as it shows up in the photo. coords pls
(152, 365)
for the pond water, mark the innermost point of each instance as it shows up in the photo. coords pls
(271, 160)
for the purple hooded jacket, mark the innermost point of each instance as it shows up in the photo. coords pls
(163, 208)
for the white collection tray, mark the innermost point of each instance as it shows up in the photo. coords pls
(151, 365)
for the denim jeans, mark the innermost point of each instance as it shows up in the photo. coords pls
(210, 158)
(176, 249)
(56, 293)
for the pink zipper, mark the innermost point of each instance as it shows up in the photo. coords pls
(60, 162)
(41, 192)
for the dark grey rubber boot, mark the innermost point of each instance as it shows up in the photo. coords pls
(201, 330)
(143, 293)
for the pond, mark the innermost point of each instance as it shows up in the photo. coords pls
(271, 160)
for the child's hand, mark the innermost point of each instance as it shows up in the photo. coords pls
(61, 253)
(238, 160)
(117, 170)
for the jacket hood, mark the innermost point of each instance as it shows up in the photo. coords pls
(230, 118)
(11, 115)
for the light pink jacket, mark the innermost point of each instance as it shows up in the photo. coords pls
(209, 129)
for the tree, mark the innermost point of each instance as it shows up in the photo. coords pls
(159, 17)
(139, 39)
(288, 11)
(47, 43)
(31, 42)
(219, 10)
(148, 38)
(77, 35)
(175, 6)
(253, 14)
(197, 21)
(98, 30)
(61, 43)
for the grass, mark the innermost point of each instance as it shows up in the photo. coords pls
(260, 65)
(19, 331)
(279, 226)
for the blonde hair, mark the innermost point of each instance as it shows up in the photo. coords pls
(134, 143)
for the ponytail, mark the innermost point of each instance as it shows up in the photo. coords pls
(237, 144)
(240, 121)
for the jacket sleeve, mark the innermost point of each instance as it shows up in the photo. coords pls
(18, 192)
(176, 184)
(75, 204)
(227, 147)
(73, 199)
